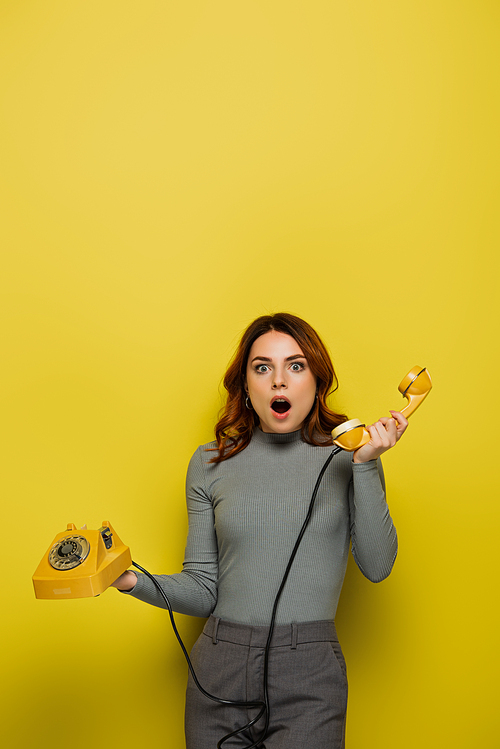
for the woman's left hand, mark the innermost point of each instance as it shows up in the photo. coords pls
(384, 435)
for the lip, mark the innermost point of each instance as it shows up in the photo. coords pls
(278, 416)
(280, 398)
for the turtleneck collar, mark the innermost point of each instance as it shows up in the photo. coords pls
(271, 438)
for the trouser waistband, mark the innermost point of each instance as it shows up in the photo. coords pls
(296, 633)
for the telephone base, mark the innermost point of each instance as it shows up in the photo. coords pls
(81, 563)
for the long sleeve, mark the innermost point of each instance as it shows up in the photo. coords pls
(373, 535)
(194, 590)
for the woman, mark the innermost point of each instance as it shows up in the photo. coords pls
(248, 494)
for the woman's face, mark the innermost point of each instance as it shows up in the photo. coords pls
(279, 383)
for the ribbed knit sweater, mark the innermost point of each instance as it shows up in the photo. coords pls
(244, 517)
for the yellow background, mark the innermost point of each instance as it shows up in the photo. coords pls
(169, 171)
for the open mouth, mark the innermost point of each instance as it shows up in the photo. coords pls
(280, 406)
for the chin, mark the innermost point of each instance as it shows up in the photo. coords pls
(282, 427)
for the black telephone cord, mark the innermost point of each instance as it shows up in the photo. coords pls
(262, 704)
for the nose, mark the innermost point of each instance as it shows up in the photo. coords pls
(279, 381)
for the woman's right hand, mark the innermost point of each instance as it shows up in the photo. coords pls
(126, 581)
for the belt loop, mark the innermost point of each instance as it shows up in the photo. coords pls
(293, 646)
(216, 629)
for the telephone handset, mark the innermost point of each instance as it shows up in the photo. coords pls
(415, 386)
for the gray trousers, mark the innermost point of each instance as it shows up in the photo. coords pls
(307, 686)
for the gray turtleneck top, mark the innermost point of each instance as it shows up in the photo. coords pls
(244, 517)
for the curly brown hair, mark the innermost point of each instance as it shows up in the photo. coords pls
(234, 429)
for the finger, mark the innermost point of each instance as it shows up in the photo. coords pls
(398, 416)
(388, 432)
(375, 437)
(402, 422)
(389, 423)
(380, 436)
(386, 420)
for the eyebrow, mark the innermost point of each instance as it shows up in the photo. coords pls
(288, 358)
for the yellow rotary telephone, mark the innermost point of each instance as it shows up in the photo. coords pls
(81, 563)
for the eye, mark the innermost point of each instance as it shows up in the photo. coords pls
(297, 366)
(262, 368)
